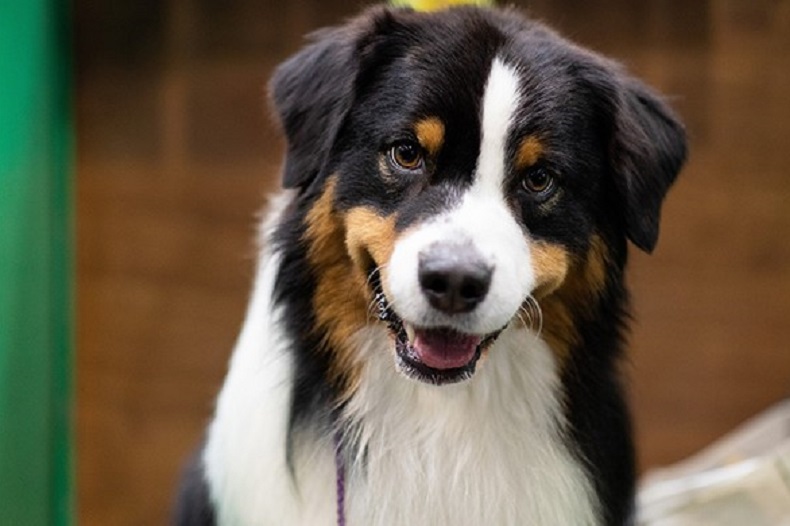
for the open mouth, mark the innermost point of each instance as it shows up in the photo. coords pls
(435, 355)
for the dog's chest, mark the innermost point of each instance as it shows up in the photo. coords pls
(466, 486)
(489, 451)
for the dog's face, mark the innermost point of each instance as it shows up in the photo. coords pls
(455, 168)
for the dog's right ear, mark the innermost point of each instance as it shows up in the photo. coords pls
(314, 89)
(312, 92)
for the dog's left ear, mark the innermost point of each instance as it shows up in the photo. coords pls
(647, 151)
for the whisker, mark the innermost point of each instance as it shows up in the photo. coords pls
(374, 306)
(523, 312)
(533, 303)
(375, 273)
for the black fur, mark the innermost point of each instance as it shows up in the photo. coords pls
(596, 406)
(313, 395)
(193, 506)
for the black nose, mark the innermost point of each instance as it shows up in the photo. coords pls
(455, 278)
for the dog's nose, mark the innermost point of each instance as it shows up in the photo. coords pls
(455, 278)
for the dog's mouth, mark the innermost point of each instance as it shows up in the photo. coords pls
(435, 355)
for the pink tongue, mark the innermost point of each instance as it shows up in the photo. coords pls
(443, 348)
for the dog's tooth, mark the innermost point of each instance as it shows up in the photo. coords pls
(409, 331)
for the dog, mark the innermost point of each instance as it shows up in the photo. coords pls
(438, 316)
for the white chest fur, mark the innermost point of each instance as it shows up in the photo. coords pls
(487, 451)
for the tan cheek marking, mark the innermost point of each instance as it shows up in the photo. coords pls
(559, 328)
(550, 263)
(341, 296)
(529, 152)
(430, 133)
(369, 235)
(574, 298)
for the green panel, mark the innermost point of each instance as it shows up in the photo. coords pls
(35, 264)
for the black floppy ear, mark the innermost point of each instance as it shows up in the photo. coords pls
(648, 150)
(313, 90)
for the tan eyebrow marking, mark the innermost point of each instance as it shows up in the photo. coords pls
(430, 134)
(529, 152)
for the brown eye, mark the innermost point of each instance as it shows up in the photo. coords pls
(538, 181)
(407, 155)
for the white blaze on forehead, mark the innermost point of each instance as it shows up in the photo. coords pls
(500, 100)
(482, 218)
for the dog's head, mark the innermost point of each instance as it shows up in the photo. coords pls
(453, 166)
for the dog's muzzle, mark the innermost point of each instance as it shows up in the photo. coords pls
(455, 279)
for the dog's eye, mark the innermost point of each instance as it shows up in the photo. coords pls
(407, 155)
(538, 181)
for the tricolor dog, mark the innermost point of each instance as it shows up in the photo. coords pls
(438, 315)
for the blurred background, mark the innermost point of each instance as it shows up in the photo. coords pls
(176, 152)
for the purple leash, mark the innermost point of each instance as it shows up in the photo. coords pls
(340, 482)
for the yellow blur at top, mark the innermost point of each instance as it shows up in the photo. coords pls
(435, 5)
